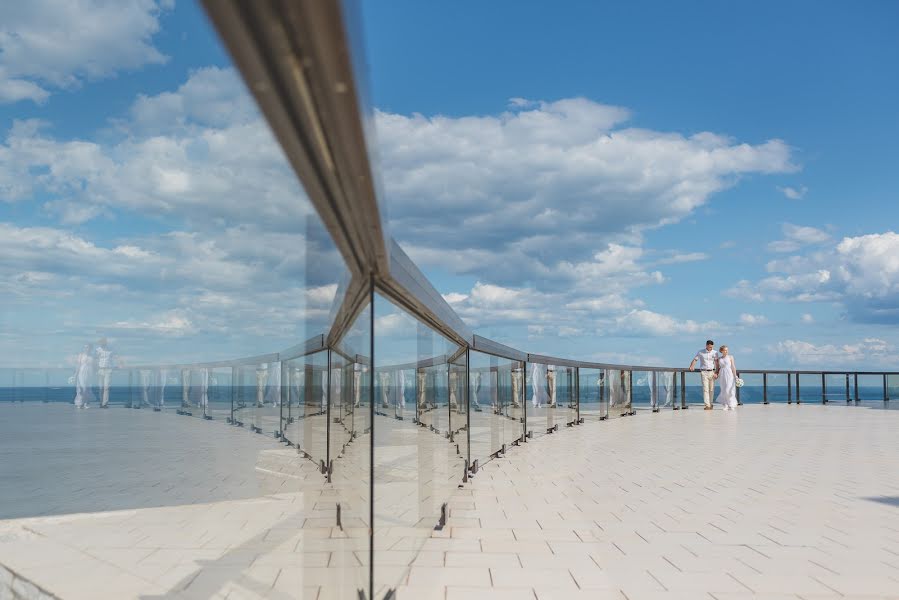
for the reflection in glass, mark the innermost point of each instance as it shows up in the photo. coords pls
(417, 462)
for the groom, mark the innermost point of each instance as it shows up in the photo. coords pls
(708, 362)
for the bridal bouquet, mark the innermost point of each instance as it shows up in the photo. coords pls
(738, 382)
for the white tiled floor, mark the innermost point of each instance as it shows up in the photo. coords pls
(769, 502)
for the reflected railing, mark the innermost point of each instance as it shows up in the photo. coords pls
(430, 423)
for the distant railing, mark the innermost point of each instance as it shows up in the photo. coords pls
(527, 395)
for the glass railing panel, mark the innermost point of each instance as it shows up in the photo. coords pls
(218, 394)
(836, 389)
(340, 424)
(31, 385)
(457, 425)
(809, 388)
(618, 384)
(8, 385)
(417, 462)
(540, 395)
(59, 388)
(644, 390)
(305, 425)
(870, 388)
(753, 391)
(493, 408)
(267, 408)
(778, 390)
(243, 377)
(593, 406)
(664, 390)
(693, 389)
(510, 399)
(566, 397)
(893, 389)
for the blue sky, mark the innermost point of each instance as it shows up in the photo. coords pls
(610, 181)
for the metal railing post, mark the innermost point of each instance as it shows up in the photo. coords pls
(855, 377)
(577, 395)
(764, 388)
(524, 401)
(683, 390)
(797, 389)
(823, 388)
(886, 394)
(848, 400)
(739, 402)
(789, 388)
(675, 386)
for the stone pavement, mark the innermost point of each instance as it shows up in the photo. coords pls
(798, 502)
(773, 502)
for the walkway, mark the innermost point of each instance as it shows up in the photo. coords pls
(773, 502)
(798, 502)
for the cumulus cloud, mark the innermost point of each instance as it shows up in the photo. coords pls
(675, 258)
(649, 323)
(793, 193)
(540, 182)
(750, 320)
(869, 351)
(537, 201)
(807, 318)
(861, 273)
(46, 45)
(796, 237)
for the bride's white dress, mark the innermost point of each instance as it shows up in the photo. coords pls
(83, 380)
(727, 396)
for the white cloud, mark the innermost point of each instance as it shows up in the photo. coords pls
(807, 318)
(174, 323)
(502, 188)
(793, 193)
(861, 273)
(750, 320)
(796, 237)
(675, 258)
(538, 201)
(647, 323)
(47, 45)
(869, 351)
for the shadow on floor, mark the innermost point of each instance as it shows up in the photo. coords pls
(891, 500)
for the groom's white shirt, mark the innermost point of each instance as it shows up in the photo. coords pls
(707, 359)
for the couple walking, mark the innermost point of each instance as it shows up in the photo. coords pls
(717, 365)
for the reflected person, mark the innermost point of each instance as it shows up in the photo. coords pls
(84, 374)
(104, 370)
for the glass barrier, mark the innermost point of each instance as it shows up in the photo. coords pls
(893, 387)
(305, 425)
(870, 388)
(618, 384)
(779, 388)
(693, 391)
(566, 413)
(591, 404)
(809, 388)
(753, 390)
(836, 387)
(418, 463)
(654, 390)
(494, 404)
(267, 413)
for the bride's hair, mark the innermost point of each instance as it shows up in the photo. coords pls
(721, 349)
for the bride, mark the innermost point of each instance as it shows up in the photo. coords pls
(84, 373)
(727, 379)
